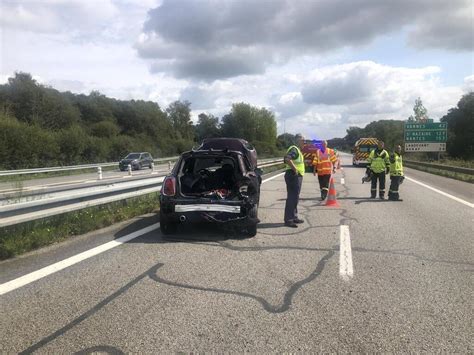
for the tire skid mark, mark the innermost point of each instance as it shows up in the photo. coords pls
(287, 299)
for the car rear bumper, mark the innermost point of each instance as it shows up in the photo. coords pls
(213, 213)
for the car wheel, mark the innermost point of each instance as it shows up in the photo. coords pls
(251, 230)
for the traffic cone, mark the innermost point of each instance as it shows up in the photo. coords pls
(332, 201)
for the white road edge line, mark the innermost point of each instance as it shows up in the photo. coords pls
(442, 193)
(60, 265)
(273, 177)
(346, 269)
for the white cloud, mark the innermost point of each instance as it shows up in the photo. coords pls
(468, 83)
(209, 40)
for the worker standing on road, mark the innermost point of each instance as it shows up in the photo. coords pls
(396, 174)
(324, 163)
(379, 163)
(295, 169)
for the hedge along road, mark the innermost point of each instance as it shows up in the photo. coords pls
(284, 290)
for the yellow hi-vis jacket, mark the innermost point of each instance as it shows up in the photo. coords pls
(323, 162)
(299, 161)
(396, 164)
(378, 162)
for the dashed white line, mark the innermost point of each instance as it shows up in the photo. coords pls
(343, 181)
(346, 269)
(442, 193)
(60, 265)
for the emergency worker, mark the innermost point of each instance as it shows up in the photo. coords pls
(295, 169)
(396, 174)
(324, 163)
(379, 163)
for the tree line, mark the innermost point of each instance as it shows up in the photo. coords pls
(40, 126)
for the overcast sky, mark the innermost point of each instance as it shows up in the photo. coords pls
(320, 65)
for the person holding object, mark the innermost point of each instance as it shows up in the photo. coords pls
(396, 174)
(324, 163)
(295, 169)
(379, 164)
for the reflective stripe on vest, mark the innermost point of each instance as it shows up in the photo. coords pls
(324, 161)
(299, 162)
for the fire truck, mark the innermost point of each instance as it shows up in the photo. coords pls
(309, 150)
(362, 149)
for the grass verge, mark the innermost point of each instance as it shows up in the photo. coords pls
(449, 174)
(21, 238)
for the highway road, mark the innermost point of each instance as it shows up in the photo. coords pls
(367, 276)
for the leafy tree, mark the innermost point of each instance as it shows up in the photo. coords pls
(179, 114)
(460, 122)
(207, 127)
(104, 129)
(285, 140)
(421, 113)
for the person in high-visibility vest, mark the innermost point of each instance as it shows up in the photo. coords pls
(324, 164)
(295, 169)
(396, 174)
(379, 163)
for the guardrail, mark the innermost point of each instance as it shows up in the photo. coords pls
(456, 169)
(68, 168)
(23, 210)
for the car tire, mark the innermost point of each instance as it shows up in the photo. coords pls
(251, 230)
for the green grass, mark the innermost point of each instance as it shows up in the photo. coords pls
(21, 238)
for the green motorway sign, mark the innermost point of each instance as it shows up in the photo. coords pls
(426, 132)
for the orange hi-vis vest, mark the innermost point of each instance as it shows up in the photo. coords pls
(324, 161)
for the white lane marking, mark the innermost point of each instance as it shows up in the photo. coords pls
(60, 265)
(346, 270)
(271, 178)
(442, 193)
(342, 181)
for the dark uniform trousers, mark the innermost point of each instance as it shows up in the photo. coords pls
(324, 184)
(293, 188)
(373, 188)
(394, 184)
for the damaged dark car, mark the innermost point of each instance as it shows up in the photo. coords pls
(218, 182)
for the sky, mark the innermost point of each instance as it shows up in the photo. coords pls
(320, 65)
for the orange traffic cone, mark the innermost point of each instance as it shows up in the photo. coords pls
(332, 201)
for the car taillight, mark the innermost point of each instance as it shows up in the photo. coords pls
(169, 186)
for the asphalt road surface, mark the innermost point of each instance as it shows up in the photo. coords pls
(367, 276)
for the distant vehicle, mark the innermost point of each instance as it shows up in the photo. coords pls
(309, 151)
(137, 161)
(361, 150)
(219, 182)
